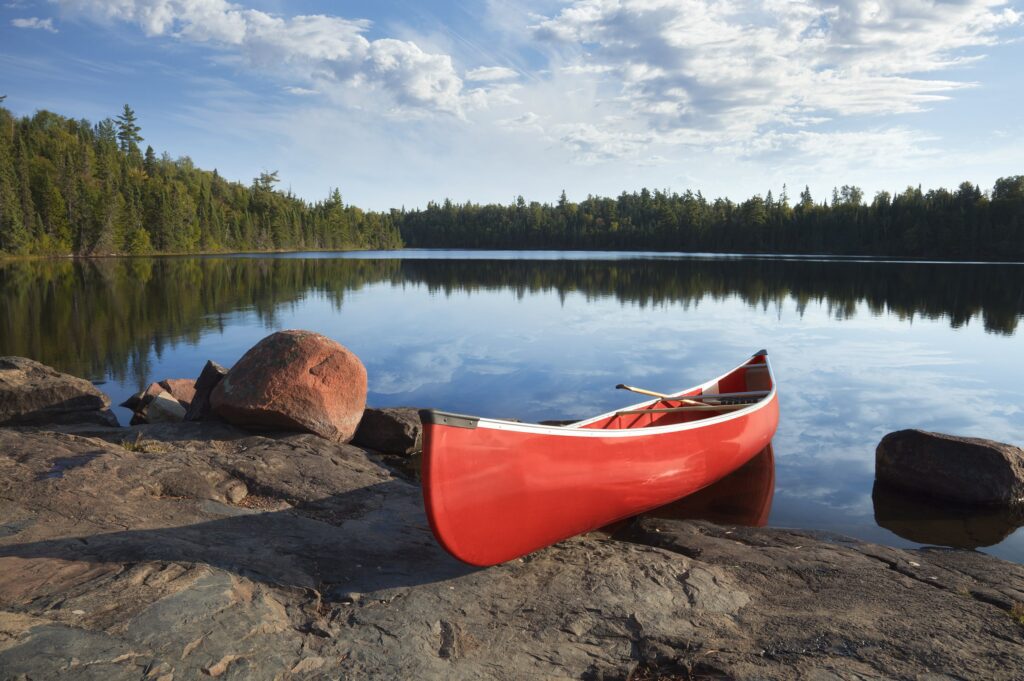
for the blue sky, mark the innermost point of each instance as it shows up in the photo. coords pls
(399, 103)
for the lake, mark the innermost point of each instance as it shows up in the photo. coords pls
(860, 347)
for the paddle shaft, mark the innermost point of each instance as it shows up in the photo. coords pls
(622, 386)
(700, 407)
(693, 398)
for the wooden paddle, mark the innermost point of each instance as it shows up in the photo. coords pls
(623, 386)
(695, 400)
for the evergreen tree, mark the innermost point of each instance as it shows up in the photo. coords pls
(149, 161)
(128, 131)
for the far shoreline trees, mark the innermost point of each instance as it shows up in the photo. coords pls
(965, 224)
(68, 187)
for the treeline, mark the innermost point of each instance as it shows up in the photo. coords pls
(965, 224)
(70, 187)
(67, 186)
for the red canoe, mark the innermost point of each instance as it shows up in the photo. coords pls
(496, 490)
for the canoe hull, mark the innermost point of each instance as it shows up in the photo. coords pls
(496, 490)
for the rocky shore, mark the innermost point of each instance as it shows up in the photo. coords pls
(192, 550)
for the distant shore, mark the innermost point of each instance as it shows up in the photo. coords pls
(6, 257)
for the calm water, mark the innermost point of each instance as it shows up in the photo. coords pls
(860, 347)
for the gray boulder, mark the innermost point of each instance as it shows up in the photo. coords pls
(164, 409)
(393, 430)
(962, 469)
(199, 408)
(35, 394)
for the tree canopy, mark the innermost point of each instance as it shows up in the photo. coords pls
(964, 224)
(70, 187)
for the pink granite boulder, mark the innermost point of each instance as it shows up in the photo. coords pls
(295, 380)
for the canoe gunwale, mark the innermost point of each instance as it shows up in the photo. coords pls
(577, 429)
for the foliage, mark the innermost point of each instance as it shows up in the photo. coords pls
(1017, 613)
(966, 224)
(70, 187)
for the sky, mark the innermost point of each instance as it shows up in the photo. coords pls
(400, 103)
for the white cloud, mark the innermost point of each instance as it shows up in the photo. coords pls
(729, 91)
(322, 50)
(488, 73)
(593, 143)
(35, 23)
(528, 122)
(737, 69)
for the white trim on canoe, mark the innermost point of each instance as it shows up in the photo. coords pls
(577, 429)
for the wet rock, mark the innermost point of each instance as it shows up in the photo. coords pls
(961, 469)
(181, 389)
(134, 402)
(295, 380)
(154, 404)
(392, 430)
(35, 394)
(164, 409)
(199, 408)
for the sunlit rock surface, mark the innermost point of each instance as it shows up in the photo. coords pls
(967, 470)
(295, 380)
(195, 550)
(33, 393)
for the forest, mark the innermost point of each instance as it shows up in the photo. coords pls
(70, 187)
(965, 224)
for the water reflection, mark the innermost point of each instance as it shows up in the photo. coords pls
(104, 317)
(926, 521)
(744, 497)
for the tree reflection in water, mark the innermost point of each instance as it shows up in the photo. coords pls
(105, 316)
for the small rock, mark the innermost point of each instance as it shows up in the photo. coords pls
(181, 389)
(188, 484)
(235, 491)
(295, 380)
(164, 409)
(395, 430)
(140, 400)
(199, 408)
(35, 394)
(135, 401)
(962, 469)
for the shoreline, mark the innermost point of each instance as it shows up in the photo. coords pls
(798, 257)
(191, 548)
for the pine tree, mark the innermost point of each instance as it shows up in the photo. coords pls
(149, 162)
(127, 130)
(13, 236)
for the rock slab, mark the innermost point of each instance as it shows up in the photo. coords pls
(151, 561)
(32, 393)
(392, 430)
(295, 380)
(965, 470)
